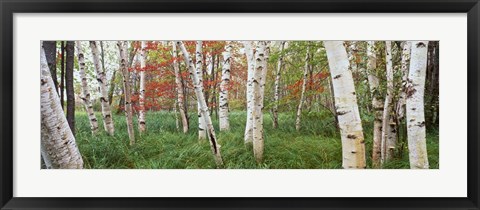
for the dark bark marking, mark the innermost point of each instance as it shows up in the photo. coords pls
(338, 76)
(351, 136)
(420, 44)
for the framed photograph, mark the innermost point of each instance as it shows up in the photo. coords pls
(239, 105)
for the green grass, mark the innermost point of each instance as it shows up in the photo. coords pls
(317, 145)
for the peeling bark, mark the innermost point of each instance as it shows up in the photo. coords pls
(224, 86)
(353, 143)
(123, 47)
(86, 100)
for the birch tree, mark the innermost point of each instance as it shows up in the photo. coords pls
(260, 70)
(102, 82)
(404, 70)
(141, 103)
(353, 143)
(224, 86)
(202, 134)
(122, 47)
(179, 87)
(212, 139)
(250, 102)
(416, 133)
(86, 100)
(58, 146)
(277, 86)
(304, 85)
(388, 135)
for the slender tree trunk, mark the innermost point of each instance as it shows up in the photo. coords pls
(388, 139)
(277, 86)
(85, 90)
(224, 86)
(178, 82)
(111, 88)
(417, 145)
(51, 54)
(123, 48)
(201, 100)
(58, 143)
(376, 103)
(102, 82)
(69, 83)
(62, 75)
(250, 81)
(141, 111)
(304, 85)
(352, 56)
(353, 143)
(259, 80)
(404, 69)
(202, 134)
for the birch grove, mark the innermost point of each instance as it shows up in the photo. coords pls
(122, 47)
(224, 86)
(86, 100)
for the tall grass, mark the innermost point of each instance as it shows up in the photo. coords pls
(317, 145)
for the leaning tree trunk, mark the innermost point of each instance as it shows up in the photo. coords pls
(248, 138)
(212, 139)
(404, 70)
(70, 48)
(353, 143)
(388, 125)
(178, 82)
(123, 47)
(259, 80)
(141, 103)
(51, 54)
(376, 102)
(85, 96)
(224, 86)
(202, 134)
(57, 142)
(277, 86)
(304, 85)
(417, 145)
(102, 82)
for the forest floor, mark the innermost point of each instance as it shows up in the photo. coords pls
(316, 145)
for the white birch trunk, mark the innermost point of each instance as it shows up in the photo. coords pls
(259, 80)
(304, 85)
(123, 59)
(212, 139)
(141, 103)
(376, 102)
(202, 134)
(102, 82)
(277, 86)
(417, 145)
(352, 50)
(224, 86)
(178, 81)
(58, 143)
(85, 91)
(353, 143)
(404, 69)
(387, 145)
(250, 102)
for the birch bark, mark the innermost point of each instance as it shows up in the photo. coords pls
(415, 106)
(58, 142)
(212, 139)
(353, 143)
(102, 82)
(250, 102)
(178, 81)
(87, 102)
(277, 86)
(259, 80)
(122, 47)
(224, 86)
(388, 139)
(141, 103)
(404, 69)
(304, 85)
(202, 134)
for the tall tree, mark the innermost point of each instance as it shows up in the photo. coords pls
(85, 91)
(388, 124)
(304, 85)
(277, 86)
(202, 133)
(70, 48)
(51, 54)
(376, 102)
(417, 145)
(259, 80)
(58, 146)
(212, 139)
(179, 87)
(353, 143)
(123, 48)
(62, 73)
(404, 70)
(102, 82)
(248, 138)
(224, 86)
(141, 112)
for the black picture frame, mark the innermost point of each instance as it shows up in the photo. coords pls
(9, 7)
